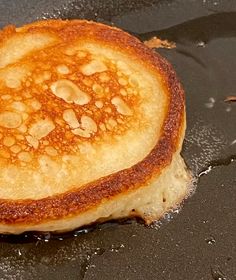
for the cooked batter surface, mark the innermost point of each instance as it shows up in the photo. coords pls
(72, 110)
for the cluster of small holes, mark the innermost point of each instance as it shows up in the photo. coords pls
(63, 101)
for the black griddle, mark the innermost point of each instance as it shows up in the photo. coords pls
(199, 242)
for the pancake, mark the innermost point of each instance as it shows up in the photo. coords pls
(91, 128)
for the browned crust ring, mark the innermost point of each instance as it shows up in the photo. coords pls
(91, 195)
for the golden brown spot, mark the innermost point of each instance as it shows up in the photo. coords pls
(87, 82)
(20, 137)
(9, 141)
(70, 51)
(35, 104)
(6, 97)
(25, 156)
(51, 151)
(4, 154)
(122, 81)
(63, 69)
(107, 110)
(88, 127)
(99, 104)
(69, 117)
(18, 106)
(13, 83)
(15, 149)
(88, 124)
(81, 132)
(22, 128)
(94, 66)
(97, 88)
(41, 128)
(120, 121)
(123, 92)
(102, 126)
(130, 91)
(25, 116)
(10, 119)
(45, 76)
(81, 54)
(104, 77)
(26, 94)
(121, 106)
(73, 50)
(133, 81)
(70, 92)
(32, 141)
(123, 67)
(112, 122)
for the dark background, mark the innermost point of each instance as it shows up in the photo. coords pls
(200, 241)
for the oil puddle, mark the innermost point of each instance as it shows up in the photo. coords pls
(169, 216)
(88, 263)
(30, 254)
(45, 237)
(217, 163)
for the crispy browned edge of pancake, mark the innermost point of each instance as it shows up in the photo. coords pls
(89, 196)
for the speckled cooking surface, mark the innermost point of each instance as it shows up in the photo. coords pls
(200, 241)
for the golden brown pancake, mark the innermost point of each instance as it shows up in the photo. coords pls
(91, 128)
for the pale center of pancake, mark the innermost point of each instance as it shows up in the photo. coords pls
(72, 114)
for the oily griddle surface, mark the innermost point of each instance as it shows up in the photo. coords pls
(200, 241)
